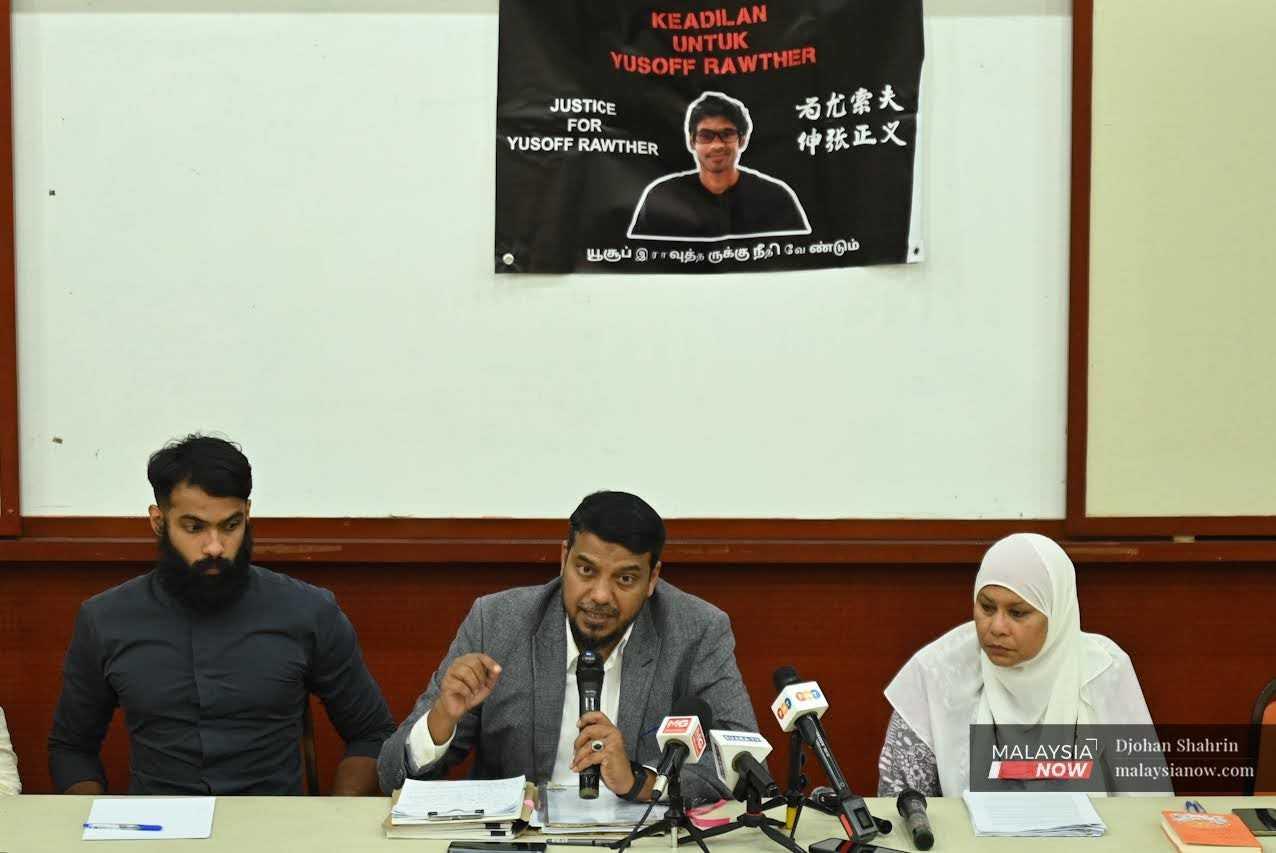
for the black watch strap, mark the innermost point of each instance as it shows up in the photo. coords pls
(640, 781)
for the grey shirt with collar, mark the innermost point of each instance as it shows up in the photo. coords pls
(680, 646)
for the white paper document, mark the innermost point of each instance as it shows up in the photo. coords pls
(565, 813)
(176, 817)
(473, 800)
(1033, 814)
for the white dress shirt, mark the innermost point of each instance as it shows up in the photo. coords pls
(422, 750)
(9, 781)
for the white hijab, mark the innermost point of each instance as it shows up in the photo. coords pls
(1046, 689)
(951, 683)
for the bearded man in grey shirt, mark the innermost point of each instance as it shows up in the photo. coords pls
(212, 659)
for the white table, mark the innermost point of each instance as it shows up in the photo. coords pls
(41, 824)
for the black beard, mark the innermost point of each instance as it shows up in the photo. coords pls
(198, 591)
(584, 641)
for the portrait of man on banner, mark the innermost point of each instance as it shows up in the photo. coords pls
(719, 199)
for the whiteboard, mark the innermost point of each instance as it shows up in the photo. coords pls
(1181, 402)
(273, 221)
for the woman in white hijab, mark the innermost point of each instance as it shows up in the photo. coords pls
(1023, 661)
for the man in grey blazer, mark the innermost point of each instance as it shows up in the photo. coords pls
(507, 688)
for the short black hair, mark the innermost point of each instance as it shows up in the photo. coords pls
(621, 519)
(712, 104)
(213, 464)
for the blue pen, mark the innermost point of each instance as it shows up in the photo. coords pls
(1195, 807)
(139, 827)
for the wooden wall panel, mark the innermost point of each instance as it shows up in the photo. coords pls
(849, 627)
(528, 541)
(10, 510)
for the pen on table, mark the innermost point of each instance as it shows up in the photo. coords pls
(579, 842)
(1194, 806)
(139, 827)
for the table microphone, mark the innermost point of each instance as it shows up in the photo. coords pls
(681, 738)
(799, 708)
(741, 762)
(911, 805)
(589, 684)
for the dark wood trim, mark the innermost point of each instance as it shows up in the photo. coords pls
(10, 510)
(1235, 527)
(494, 541)
(553, 530)
(1079, 263)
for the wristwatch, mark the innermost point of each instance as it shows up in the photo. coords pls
(640, 781)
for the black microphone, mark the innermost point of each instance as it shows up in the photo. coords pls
(753, 777)
(740, 758)
(681, 736)
(799, 706)
(911, 805)
(589, 684)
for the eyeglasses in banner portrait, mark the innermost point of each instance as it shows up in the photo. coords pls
(695, 136)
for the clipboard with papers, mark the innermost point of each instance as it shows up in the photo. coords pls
(465, 810)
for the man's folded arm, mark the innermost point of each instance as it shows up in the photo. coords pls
(83, 713)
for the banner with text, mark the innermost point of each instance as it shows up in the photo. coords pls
(697, 137)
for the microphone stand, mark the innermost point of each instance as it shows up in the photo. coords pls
(796, 798)
(754, 818)
(675, 818)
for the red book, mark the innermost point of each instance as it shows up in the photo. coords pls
(1196, 832)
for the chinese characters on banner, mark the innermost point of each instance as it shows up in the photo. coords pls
(698, 137)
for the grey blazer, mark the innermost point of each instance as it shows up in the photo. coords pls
(680, 645)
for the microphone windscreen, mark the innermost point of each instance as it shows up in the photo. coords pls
(694, 706)
(589, 670)
(784, 676)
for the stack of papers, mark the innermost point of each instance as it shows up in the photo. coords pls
(460, 811)
(1033, 814)
(563, 812)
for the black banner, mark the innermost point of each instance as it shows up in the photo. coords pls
(695, 136)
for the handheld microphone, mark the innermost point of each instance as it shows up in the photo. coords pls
(741, 761)
(681, 739)
(911, 805)
(799, 707)
(589, 684)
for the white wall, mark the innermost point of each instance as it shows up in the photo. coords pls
(276, 222)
